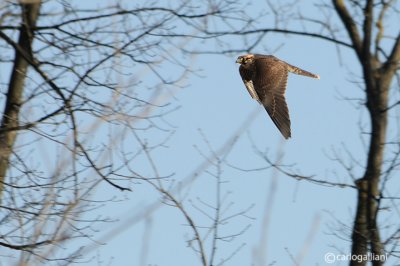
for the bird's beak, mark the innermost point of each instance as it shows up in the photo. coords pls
(239, 60)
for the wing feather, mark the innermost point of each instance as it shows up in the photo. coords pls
(247, 75)
(270, 84)
(250, 88)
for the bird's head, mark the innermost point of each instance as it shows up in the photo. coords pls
(245, 60)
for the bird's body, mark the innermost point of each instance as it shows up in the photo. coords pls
(265, 78)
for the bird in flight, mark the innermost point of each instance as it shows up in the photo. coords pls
(265, 78)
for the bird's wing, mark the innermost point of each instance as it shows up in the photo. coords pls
(247, 80)
(270, 84)
(250, 88)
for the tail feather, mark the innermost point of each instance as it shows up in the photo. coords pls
(302, 72)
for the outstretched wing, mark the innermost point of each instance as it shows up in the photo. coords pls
(247, 75)
(270, 85)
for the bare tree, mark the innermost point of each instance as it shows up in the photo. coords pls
(79, 82)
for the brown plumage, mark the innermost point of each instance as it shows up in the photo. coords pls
(265, 78)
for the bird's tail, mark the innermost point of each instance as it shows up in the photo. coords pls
(300, 71)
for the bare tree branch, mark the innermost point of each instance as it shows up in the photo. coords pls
(350, 26)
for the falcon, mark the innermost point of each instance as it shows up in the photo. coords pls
(265, 78)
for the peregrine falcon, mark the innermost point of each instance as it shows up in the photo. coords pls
(265, 77)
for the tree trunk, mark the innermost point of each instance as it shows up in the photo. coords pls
(366, 231)
(377, 104)
(9, 120)
(360, 229)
